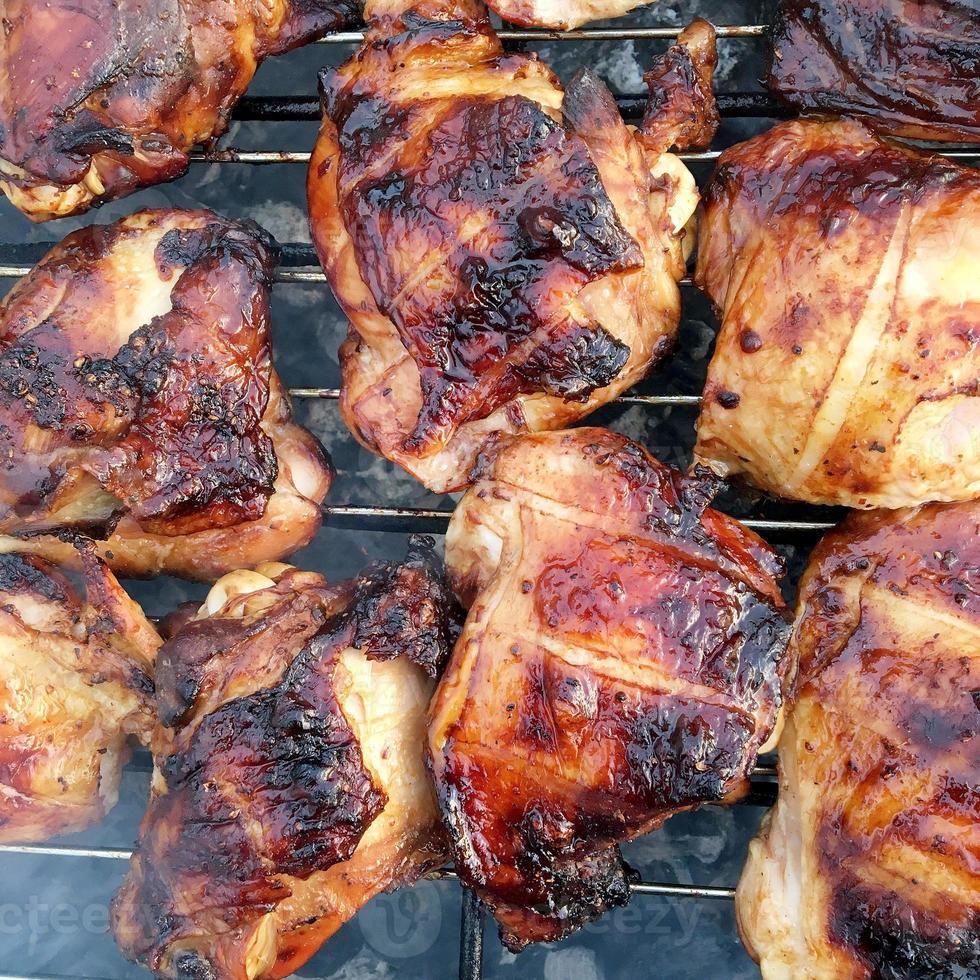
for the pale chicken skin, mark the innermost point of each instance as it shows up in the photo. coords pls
(622, 661)
(847, 275)
(507, 251)
(101, 97)
(561, 15)
(76, 682)
(138, 402)
(290, 785)
(868, 868)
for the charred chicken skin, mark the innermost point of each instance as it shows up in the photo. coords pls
(75, 683)
(908, 68)
(101, 97)
(561, 15)
(138, 401)
(869, 865)
(507, 251)
(621, 662)
(290, 785)
(847, 273)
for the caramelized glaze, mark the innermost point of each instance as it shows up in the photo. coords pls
(621, 662)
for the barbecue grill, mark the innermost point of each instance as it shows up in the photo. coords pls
(53, 916)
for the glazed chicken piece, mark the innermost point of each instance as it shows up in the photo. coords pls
(908, 68)
(290, 786)
(869, 865)
(561, 15)
(75, 682)
(847, 273)
(100, 98)
(507, 252)
(621, 662)
(138, 401)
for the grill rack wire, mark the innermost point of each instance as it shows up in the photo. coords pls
(299, 265)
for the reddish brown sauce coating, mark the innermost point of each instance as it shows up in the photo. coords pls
(622, 661)
(75, 683)
(909, 68)
(845, 268)
(136, 382)
(115, 94)
(264, 780)
(506, 250)
(877, 830)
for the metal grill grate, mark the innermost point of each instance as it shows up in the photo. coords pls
(300, 266)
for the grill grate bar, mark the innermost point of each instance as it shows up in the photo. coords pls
(271, 157)
(676, 889)
(435, 521)
(588, 34)
(333, 394)
(287, 108)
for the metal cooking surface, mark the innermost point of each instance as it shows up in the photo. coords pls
(54, 899)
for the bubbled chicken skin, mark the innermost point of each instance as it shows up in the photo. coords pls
(76, 681)
(909, 69)
(847, 274)
(138, 402)
(98, 99)
(869, 865)
(290, 785)
(507, 251)
(621, 662)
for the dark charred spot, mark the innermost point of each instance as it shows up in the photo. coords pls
(728, 399)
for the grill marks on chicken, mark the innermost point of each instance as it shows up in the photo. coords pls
(910, 69)
(75, 683)
(507, 252)
(291, 787)
(846, 271)
(138, 399)
(621, 662)
(98, 99)
(868, 866)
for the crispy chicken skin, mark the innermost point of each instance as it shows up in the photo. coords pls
(869, 865)
(290, 788)
(101, 97)
(909, 67)
(507, 251)
(138, 401)
(847, 273)
(561, 15)
(76, 668)
(621, 662)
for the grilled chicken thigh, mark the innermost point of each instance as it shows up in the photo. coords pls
(908, 68)
(847, 272)
(621, 662)
(507, 251)
(869, 865)
(138, 400)
(562, 15)
(76, 666)
(289, 786)
(101, 97)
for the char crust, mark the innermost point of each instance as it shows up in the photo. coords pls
(507, 251)
(97, 99)
(909, 69)
(138, 398)
(622, 662)
(868, 867)
(260, 838)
